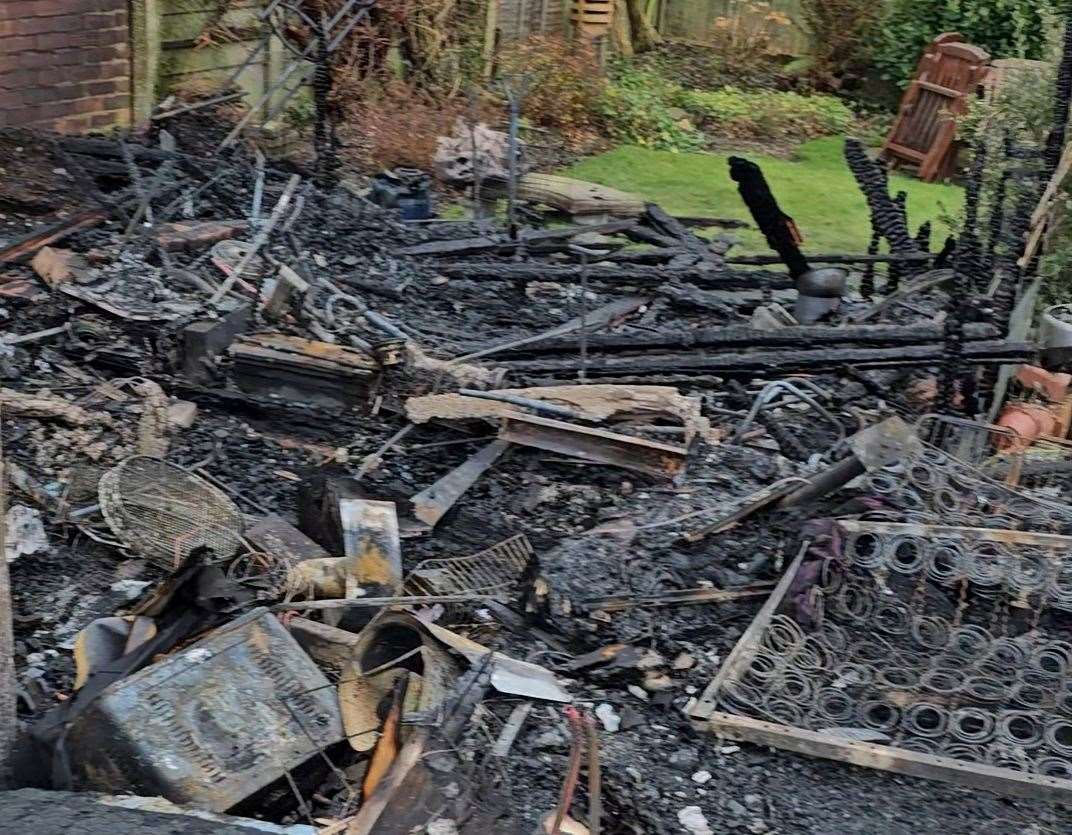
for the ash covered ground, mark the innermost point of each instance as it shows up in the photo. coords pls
(597, 531)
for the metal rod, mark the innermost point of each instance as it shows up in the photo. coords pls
(35, 336)
(8, 694)
(260, 239)
(526, 403)
(583, 376)
(189, 108)
(595, 777)
(372, 602)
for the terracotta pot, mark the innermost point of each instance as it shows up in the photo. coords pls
(1029, 422)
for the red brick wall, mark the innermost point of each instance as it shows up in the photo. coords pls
(64, 64)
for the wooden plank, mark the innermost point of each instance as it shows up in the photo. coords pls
(595, 445)
(189, 25)
(575, 197)
(23, 248)
(905, 151)
(896, 760)
(186, 6)
(741, 656)
(948, 92)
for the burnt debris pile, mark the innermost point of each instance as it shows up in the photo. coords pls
(353, 524)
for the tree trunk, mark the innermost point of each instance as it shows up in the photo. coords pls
(620, 30)
(645, 36)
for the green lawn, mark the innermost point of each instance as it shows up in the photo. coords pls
(816, 189)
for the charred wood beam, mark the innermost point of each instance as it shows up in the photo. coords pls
(635, 274)
(110, 149)
(779, 229)
(921, 258)
(724, 301)
(671, 227)
(527, 238)
(786, 361)
(644, 235)
(879, 336)
(706, 222)
(653, 256)
(24, 247)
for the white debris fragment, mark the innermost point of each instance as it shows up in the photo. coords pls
(130, 589)
(25, 533)
(694, 821)
(702, 777)
(729, 749)
(611, 720)
(684, 661)
(442, 826)
(637, 691)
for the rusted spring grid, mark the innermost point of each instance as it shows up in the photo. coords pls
(928, 485)
(970, 695)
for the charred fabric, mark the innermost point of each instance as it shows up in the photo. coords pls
(351, 524)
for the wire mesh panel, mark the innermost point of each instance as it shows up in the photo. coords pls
(165, 513)
(933, 639)
(493, 571)
(1042, 467)
(928, 483)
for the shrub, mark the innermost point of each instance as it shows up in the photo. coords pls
(1005, 28)
(565, 84)
(398, 126)
(768, 113)
(840, 30)
(638, 109)
(1022, 109)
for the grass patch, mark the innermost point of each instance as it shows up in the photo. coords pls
(816, 189)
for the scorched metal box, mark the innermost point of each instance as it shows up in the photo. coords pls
(212, 724)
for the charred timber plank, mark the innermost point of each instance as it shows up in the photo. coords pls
(595, 445)
(727, 297)
(890, 758)
(705, 222)
(565, 233)
(664, 224)
(757, 362)
(644, 235)
(110, 149)
(651, 256)
(26, 246)
(674, 228)
(460, 246)
(621, 274)
(884, 258)
(744, 337)
(494, 244)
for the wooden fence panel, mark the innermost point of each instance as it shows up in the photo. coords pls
(519, 19)
(694, 20)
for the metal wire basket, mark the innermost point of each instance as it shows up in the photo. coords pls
(493, 572)
(165, 513)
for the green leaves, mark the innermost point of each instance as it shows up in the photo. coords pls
(638, 108)
(767, 113)
(1004, 28)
